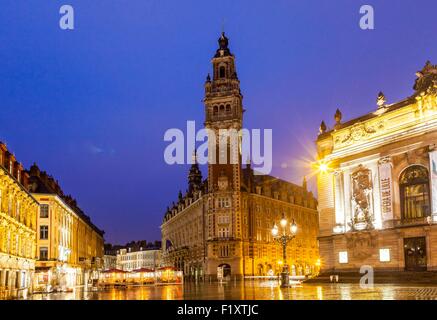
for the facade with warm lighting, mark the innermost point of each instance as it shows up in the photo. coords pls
(222, 225)
(18, 214)
(69, 245)
(130, 259)
(378, 184)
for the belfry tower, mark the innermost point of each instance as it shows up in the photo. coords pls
(224, 110)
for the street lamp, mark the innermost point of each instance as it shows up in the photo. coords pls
(283, 237)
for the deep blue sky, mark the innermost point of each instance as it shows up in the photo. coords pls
(91, 106)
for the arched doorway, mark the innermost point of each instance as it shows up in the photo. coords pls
(226, 269)
(414, 192)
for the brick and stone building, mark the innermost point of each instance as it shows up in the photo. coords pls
(225, 221)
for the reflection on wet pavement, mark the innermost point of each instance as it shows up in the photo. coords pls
(251, 290)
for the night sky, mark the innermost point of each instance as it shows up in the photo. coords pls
(91, 106)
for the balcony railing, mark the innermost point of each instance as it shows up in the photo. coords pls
(409, 222)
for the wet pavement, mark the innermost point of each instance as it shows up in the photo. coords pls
(253, 290)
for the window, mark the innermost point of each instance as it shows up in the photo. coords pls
(223, 232)
(44, 232)
(384, 255)
(17, 210)
(223, 219)
(224, 251)
(342, 257)
(414, 190)
(222, 72)
(10, 205)
(224, 202)
(43, 253)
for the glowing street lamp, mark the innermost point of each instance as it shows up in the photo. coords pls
(284, 237)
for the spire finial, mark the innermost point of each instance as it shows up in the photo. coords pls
(194, 157)
(304, 183)
(338, 116)
(322, 128)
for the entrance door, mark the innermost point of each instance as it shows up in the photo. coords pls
(415, 254)
(226, 270)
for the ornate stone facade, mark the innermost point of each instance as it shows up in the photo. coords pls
(225, 221)
(378, 184)
(18, 214)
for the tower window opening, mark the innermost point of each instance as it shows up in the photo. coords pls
(222, 72)
(228, 108)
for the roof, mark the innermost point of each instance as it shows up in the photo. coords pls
(425, 83)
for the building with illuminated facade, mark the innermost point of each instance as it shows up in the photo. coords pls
(378, 184)
(130, 259)
(18, 225)
(225, 221)
(69, 245)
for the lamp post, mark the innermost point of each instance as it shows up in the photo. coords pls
(284, 236)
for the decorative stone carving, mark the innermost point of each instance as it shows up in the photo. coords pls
(358, 132)
(361, 245)
(381, 100)
(426, 79)
(362, 199)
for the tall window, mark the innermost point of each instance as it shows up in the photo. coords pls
(414, 189)
(44, 211)
(222, 72)
(224, 251)
(224, 203)
(44, 232)
(43, 253)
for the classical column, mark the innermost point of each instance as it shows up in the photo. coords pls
(386, 189)
(347, 197)
(340, 219)
(377, 215)
(433, 179)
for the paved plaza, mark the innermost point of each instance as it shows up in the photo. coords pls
(253, 290)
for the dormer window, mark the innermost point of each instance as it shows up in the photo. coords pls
(222, 72)
(10, 166)
(19, 175)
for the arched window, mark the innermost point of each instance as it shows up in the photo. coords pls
(228, 108)
(215, 110)
(222, 72)
(414, 190)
